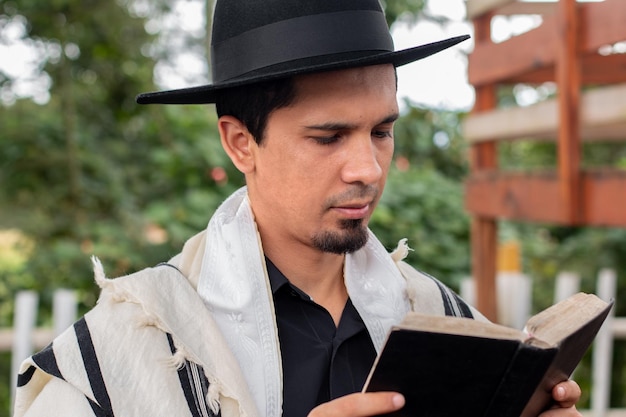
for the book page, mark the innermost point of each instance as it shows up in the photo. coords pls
(562, 319)
(460, 326)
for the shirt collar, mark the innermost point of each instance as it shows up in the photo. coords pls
(278, 281)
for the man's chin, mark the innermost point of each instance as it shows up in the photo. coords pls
(347, 240)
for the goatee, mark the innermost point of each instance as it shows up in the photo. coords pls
(352, 237)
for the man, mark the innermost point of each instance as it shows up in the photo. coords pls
(280, 305)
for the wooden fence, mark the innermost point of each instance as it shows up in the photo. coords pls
(25, 338)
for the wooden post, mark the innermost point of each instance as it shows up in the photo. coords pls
(484, 230)
(568, 76)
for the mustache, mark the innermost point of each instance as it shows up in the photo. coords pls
(356, 192)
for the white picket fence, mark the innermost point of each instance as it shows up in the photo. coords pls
(514, 293)
(514, 307)
(25, 338)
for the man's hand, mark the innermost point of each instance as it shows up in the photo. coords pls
(360, 405)
(566, 395)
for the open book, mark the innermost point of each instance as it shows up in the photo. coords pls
(451, 366)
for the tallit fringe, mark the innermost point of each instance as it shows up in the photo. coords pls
(117, 295)
(213, 397)
(98, 272)
(178, 359)
(104, 283)
(401, 251)
(150, 320)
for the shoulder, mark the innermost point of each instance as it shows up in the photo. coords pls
(116, 347)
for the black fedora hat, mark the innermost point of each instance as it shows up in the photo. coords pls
(262, 40)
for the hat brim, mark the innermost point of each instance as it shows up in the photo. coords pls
(206, 94)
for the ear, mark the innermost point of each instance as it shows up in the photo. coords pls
(237, 142)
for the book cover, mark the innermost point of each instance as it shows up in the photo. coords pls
(449, 366)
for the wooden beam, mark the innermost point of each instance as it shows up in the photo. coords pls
(602, 114)
(600, 24)
(491, 62)
(604, 194)
(518, 196)
(484, 241)
(40, 338)
(603, 69)
(538, 121)
(483, 156)
(533, 197)
(568, 72)
(596, 69)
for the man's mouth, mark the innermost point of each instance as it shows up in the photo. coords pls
(353, 211)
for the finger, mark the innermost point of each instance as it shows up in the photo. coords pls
(566, 393)
(561, 412)
(360, 405)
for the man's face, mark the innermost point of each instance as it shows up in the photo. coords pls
(323, 162)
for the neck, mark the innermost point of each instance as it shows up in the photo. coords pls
(318, 274)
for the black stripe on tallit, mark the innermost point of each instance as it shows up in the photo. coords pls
(461, 305)
(195, 386)
(24, 378)
(47, 361)
(92, 366)
(452, 303)
(97, 410)
(170, 265)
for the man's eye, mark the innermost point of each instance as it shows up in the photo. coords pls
(326, 140)
(381, 134)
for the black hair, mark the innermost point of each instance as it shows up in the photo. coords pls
(253, 104)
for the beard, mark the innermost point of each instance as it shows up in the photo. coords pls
(352, 234)
(352, 237)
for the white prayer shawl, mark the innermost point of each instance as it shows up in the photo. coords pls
(201, 338)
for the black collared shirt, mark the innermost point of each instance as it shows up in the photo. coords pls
(321, 361)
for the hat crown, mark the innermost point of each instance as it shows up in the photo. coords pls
(252, 35)
(260, 40)
(234, 17)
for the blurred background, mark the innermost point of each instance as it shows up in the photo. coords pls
(85, 171)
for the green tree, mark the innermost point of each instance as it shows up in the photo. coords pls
(423, 198)
(90, 172)
(85, 172)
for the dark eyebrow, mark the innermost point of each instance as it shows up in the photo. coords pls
(390, 119)
(334, 126)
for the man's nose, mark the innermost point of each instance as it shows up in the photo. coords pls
(362, 164)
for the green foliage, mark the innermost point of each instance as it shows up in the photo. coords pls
(92, 173)
(5, 388)
(402, 9)
(432, 139)
(425, 207)
(423, 197)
